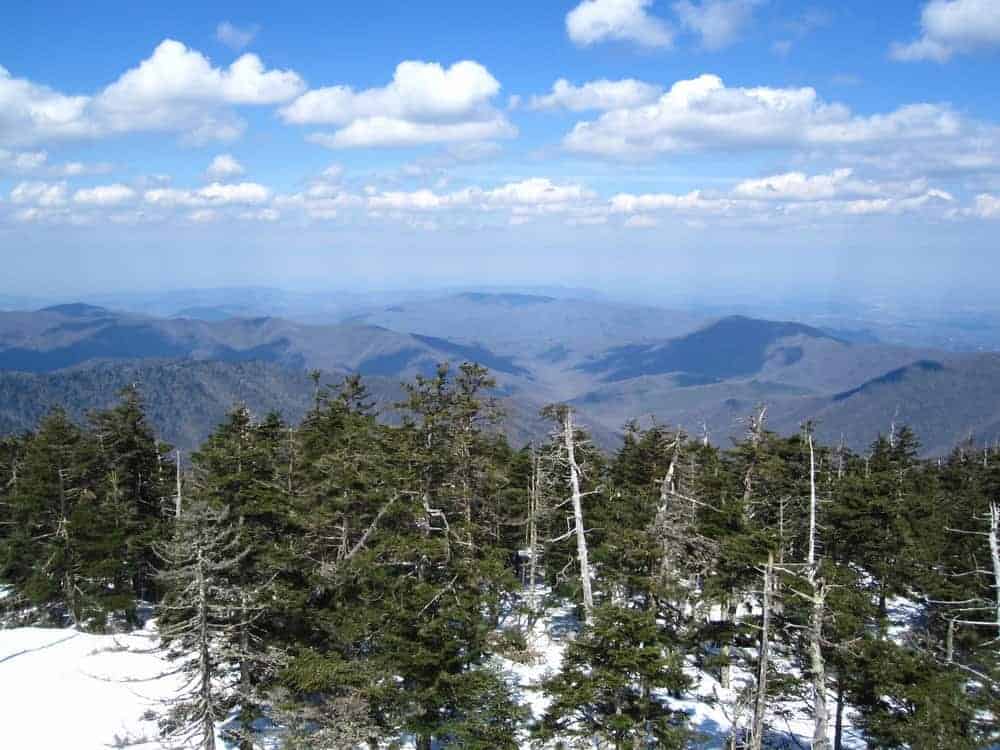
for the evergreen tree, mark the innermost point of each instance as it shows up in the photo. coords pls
(605, 688)
(205, 611)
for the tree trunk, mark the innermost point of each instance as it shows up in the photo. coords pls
(760, 700)
(205, 661)
(581, 537)
(812, 504)
(178, 502)
(818, 667)
(838, 730)
(246, 712)
(995, 555)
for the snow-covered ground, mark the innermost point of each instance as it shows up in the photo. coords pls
(67, 690)
(708, 705)
(61, 689)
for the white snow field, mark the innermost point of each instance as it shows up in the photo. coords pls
(61, 689)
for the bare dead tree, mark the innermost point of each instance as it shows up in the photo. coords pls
(760, 697)
(565, 436)
(178, 501)
(815, 596)
(981, 610)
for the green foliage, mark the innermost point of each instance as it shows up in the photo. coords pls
(377, 578)
(606, 686)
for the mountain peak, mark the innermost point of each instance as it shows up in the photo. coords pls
(76, 310)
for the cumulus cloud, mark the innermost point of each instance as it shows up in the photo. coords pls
(333, 172)
(44, 194)
(104, 195)
(790, 196)
(424, 103)
(21, 161)
(235, 37)
(951, 27)
(391, 132)
(224, 167)
(537, 193)
(594, 21)
(216, 194)
(717, 22)
(704, 114)
(597, 95)
(839, 184)
(176, 90)
(419, 90)
(323, 200)
(987, 206)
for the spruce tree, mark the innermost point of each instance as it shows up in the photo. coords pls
(606, 688)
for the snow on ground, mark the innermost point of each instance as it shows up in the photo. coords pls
(547, 640)
(708, 705)
(62, 689)
(65, 690)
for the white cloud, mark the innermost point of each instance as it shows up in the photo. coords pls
(594, 21)
(987, 206)
(21, 161)
(203, 216)
(224, 167)
(216, 194)
(234, 36)
(951, 27)
(839, 184)
(641, 221)
(704, 114)
(77, 168)
(44, 194)
(536, 193)
(104, 195)
(424, 103)
(322, 200)
(628, 203)
(597, 95)
(263, 214)
(791, 196)
(392, 132)
(334, 172)
(417, 200)
(30, 112)
(419, 90)
(176, 89)
(717, 22)
(897, 205)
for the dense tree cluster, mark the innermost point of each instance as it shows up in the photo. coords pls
(352, 581)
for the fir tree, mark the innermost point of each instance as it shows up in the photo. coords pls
(605, 688)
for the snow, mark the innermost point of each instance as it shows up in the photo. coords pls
(62, 689)
(105, 690)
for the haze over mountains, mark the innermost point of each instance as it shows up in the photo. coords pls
(613, 361)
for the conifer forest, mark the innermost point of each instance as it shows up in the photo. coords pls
(367, 580)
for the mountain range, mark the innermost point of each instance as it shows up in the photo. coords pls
(612, 361)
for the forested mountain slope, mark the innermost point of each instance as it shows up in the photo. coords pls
(613, 362)
(340, 582)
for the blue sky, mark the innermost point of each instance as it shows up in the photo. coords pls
(665, 147)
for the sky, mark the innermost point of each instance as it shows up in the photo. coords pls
(648, 147)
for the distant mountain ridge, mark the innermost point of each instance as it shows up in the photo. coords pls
(731, 347)
(613, 362)
(69, 336)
